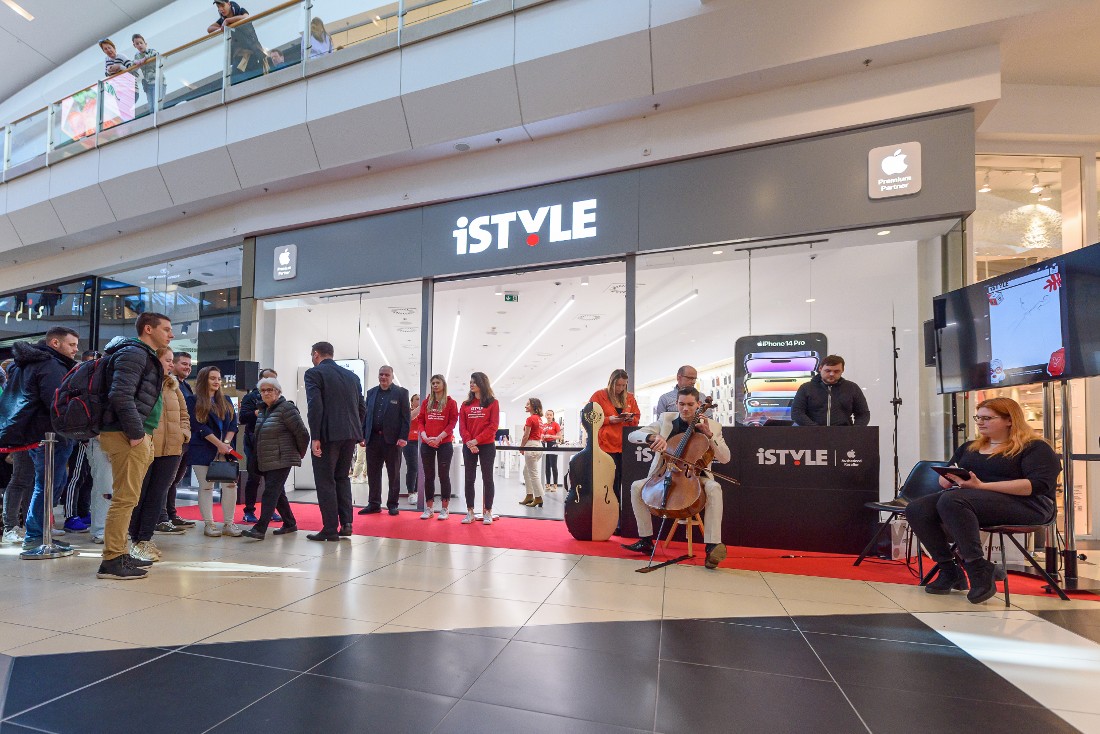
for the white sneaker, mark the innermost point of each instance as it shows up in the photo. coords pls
(487, 519)
(21, 532)
(58, 530)
(143, 552)
(428, 514)
(444, 514)
(97, 539)
(12, 536)
(412, 499)
(155, 548)
(212, 530)
(231, 530)
(469, 519)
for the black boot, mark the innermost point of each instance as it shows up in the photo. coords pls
(644, 545)
(983, 577)
(949, 578)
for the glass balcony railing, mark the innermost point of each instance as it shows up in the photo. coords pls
(300, 34)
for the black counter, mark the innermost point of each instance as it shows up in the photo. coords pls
(801, 488)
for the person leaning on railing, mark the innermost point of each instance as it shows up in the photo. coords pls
(115, 62)
(246, 54)
(147, 72)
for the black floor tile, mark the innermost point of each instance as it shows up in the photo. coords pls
(444, 663)
(564, 681)
(177, 693)
(637, 639)
(299, 654)
(906, 666)
(1084, 622)
(695, 699)
(316, 704)
(898, 627)
(7, 727)
(764, 650)
(37, 678)
(471, 717)
(900, 713)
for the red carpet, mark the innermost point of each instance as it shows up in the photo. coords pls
(553, 537)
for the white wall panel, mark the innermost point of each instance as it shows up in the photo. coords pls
(9, 238)
(471, 106)
(25, 191)
(190, 135)
(474, 51)
(200, 176)
(565, 25)
(274, 156)
(360, 134)
(130, 178)
(36, 223)
(614, 71)
(354, 86)
(259, 114)
(82, 210)
(75, 173)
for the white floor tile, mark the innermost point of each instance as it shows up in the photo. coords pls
(683, 604)
(269, 592)
(832, 591)
(380, 604)
(179, 622)
(279, 625)
(83, 606)
(505, 586)
(404, 575)
(454, 611)
(722, 580)
(606, 595)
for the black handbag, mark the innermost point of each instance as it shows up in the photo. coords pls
(222, 471)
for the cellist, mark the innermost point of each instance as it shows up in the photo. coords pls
(656, 437)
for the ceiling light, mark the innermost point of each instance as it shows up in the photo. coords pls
(454, 340)
(883, 232)
(498, 291)
(584, 280)
(18, 9)
(385, 359)
(1036, 187)
(667, 311)
(1045, 195)
(810, 300)
(986, 188)
(538, 336)
(716, 252)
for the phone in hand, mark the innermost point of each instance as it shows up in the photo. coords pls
(953, 474)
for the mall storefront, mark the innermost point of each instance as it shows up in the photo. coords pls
(820, 242)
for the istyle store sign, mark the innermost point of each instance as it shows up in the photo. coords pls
(574, 220)
(894, 170)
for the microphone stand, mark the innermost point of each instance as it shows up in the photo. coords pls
(896, 402)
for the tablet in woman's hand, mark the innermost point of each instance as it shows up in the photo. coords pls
(952, 473)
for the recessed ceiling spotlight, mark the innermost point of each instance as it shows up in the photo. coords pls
(883, 233)
(810, 300)
(716, 252)
(462, 147)
(584, 280)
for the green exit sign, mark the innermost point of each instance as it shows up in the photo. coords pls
(511, 297)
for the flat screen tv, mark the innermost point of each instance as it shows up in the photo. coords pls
(1035, 324)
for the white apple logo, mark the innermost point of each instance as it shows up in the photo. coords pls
(894, 164)
(284, 257)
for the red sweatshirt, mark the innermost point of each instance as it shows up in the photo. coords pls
(477, 423)
(535, 424)
(550, 432)
(435, 421)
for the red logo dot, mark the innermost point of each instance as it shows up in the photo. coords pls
(797, 462)
(532, 239)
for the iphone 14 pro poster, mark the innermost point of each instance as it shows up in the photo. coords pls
(769, 369)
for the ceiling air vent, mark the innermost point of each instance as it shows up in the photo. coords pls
(190, 283)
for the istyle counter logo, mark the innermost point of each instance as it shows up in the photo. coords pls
(480, 233)
(894, 170)
(792, 457)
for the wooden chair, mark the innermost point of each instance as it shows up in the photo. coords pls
(689, 523)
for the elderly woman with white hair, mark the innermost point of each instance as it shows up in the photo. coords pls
(282, 440)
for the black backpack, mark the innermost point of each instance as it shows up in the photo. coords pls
(79, 402)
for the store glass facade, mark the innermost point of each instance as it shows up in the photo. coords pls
(28, 315)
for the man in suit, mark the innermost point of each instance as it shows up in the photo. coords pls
(386, 429)
(656, 436)
(334, 403)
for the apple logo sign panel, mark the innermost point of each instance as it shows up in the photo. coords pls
(894, 170)
(286, 262)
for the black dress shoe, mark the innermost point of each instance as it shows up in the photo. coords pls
(323, 536)
(285, 529)
(345, 531)
(254, 533)
(370, 510)
(394, 511)
(643, 545)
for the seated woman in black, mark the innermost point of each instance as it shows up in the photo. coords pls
(1013, 473)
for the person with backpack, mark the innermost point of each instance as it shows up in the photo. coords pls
(169, 438)
(133, 411)
(25, 407)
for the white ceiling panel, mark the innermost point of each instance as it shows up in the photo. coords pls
(447, 113)
(36, 223)
(83, 209)
(140, 192)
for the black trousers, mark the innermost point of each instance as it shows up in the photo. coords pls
(17, 496)
(551, 463)
(959, 513)
(252, 486)
(618, 486)
(485, 456)
(379, 454)
(146, 514)
(408, 454)
(331, 473)
(274, 498)
(78, 492)
(441, 457)
(184, 468)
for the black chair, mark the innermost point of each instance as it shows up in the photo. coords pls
(1012, 531)
(921, 482)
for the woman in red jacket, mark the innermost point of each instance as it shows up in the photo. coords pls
(619, 409)
(435, 427)
(478, 420)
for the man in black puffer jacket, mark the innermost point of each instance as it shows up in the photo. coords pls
(25, 417)
(830, 400)
(133, 411)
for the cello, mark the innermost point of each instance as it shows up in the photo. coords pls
(591, 507)
(674, 489)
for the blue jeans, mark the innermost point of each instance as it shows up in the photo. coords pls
(37, 511)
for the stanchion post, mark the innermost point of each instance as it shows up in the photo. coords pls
(48, 549)
(1069, 554)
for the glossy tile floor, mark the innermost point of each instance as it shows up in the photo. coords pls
(378, 635)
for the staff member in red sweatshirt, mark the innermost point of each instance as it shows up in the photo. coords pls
(619, 409)
(478, 419)
(435, 426)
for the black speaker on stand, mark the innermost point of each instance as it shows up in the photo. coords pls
(248, 374)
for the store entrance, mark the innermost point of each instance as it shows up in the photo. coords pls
(554, 335)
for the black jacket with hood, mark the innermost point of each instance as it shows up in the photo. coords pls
(135, 380)
(28, 396)
(818, 404)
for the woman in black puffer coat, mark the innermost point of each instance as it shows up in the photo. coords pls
(282, 440)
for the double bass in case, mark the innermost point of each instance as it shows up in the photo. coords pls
(591, 507)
